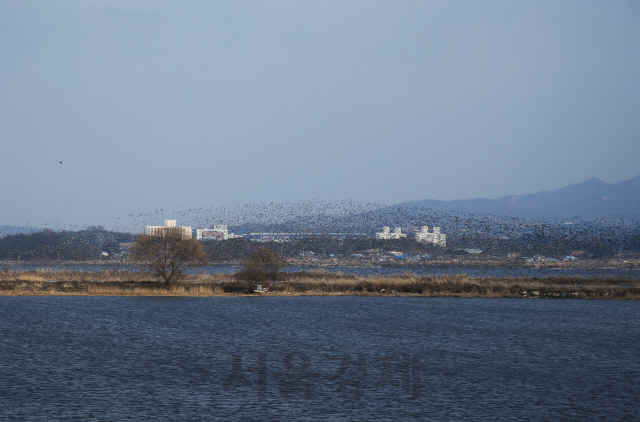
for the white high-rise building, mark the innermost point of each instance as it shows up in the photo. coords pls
(169, 225)
(218, 232)
(436, 237)
(388, 234)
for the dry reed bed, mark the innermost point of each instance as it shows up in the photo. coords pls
(453, 286)
(48, 274)
(126, 283)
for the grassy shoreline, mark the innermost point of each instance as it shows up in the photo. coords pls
(470, 262)
(126, 283)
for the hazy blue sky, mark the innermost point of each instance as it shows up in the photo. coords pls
(162, 104)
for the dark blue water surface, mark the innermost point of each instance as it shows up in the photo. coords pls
(317, 358)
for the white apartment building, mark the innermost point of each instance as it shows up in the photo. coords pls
(218, 232)
(169, 224)
(435, 237)
(386, 233)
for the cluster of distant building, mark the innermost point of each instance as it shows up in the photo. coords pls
(221, 232)
(218, 232)
(169, 225)
(423, 235)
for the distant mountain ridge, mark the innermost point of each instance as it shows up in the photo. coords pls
(592, 198)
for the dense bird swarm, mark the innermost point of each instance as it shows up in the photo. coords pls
(342, 230)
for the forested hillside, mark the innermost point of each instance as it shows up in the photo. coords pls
(86, 244)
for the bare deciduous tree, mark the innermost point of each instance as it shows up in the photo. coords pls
(263, 265)
(168, 253)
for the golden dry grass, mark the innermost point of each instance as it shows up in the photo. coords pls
(126, 283)
(175, 290)
(48, 274)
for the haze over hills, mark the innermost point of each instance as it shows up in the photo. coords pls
(10, 230)
(592, 198)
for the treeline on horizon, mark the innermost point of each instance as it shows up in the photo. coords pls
(524, 246)
(81, 245)
(88, 244)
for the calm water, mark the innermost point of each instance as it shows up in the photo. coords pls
(317, 358)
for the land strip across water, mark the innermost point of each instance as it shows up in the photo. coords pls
(135, 283)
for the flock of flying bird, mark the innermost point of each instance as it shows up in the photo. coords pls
(469, 229)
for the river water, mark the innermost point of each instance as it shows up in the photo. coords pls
(317, 358)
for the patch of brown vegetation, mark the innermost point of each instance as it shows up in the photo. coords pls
(126, 283)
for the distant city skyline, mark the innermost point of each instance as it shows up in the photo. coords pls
(110, 108)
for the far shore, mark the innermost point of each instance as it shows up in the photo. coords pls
(437, 262)
(48, 282)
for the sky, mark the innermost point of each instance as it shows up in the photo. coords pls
(112, 108)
